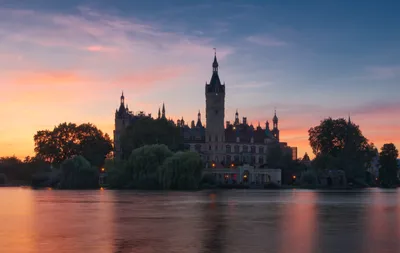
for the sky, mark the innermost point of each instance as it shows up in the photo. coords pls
(69, 61)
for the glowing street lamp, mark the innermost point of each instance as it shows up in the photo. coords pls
(102, 169)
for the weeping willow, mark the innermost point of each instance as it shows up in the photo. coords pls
(77, 173)
(182, 171)
(157, 167)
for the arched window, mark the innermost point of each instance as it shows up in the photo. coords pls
(236, 148)
(253, 149)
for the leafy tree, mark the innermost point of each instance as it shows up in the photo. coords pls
(77, 173)
(148, 131)
(118, 176)
(388, 165)
(182, 171)
(339, 144)
(67, 140)
(143, 164)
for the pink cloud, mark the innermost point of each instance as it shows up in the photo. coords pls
(97, 48)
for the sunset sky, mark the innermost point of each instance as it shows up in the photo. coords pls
(68, 61)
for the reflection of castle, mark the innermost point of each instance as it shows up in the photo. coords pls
(219, 142)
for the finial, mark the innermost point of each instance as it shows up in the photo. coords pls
(215, 51)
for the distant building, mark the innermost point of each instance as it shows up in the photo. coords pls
(218, 142)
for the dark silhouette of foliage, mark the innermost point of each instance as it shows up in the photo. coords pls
(148, 131)
(182, 171)
(388, 165)
(77, 173)
(118, 176)
(22, 171)
(339, 144)
(144, 162)
(3, 179)
(68, 140)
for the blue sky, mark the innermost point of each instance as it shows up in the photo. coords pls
(310, 61)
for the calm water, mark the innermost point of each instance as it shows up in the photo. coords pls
(229, 221)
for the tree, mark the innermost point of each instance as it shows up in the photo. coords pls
(148, 131)
(339, 144)
(182, 171)
(67, 140)
(77, 173)
(388, 165)
(144, 162)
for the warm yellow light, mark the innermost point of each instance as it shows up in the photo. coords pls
(232, 165)
(49, 188)
(102, 169)
(101, 189)
(213, 165)
(245, 176)
(294, 177)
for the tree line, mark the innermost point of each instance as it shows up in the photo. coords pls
(153, 151)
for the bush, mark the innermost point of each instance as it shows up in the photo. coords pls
(77, 173)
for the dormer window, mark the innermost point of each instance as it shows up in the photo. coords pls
(252, 140)
(237, 139)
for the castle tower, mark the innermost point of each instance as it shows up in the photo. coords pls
(215, 115)
(121, 121)
(275, 129)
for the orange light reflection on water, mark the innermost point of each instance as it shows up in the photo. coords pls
(299, 223)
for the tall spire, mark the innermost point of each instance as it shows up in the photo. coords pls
(159, 113)
(198, 124)
(163, 110)
(215, 63)
(349, 121)
(122, 98)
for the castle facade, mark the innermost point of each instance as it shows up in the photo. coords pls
(220, 143)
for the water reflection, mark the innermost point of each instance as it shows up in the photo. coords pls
(298, 229)
(223, 221)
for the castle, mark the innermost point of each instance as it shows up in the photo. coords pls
(219, 143)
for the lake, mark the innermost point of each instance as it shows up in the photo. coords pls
(281, 221)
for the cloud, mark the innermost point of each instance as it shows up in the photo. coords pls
(267, 41)
(97, 48)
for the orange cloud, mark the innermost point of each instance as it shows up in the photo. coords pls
(46, 78)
